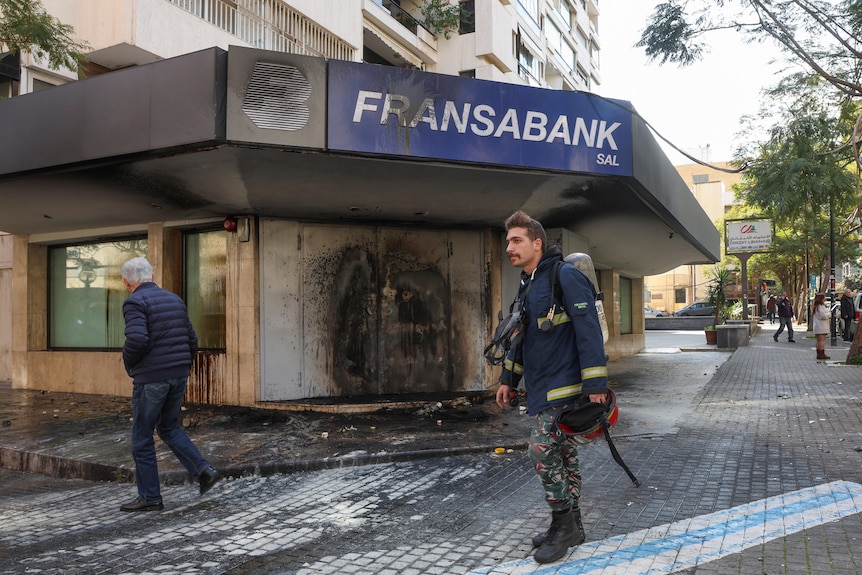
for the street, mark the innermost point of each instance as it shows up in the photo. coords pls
(757, 471)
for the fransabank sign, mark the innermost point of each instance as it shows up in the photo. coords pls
(394, 111)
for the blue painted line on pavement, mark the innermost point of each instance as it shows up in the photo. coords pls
(686, 543)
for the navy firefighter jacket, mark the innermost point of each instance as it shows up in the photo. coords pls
(569, 360)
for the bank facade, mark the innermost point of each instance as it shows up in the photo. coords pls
(335, 227)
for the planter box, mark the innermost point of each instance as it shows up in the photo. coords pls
(732, 336)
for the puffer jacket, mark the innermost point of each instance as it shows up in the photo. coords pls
(160, 340)
(569, 360)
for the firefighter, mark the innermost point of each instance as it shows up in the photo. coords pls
(560, 357)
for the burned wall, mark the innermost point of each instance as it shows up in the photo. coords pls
(365, 310)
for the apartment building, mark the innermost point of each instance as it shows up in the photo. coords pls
(543, 43)
(325, 184)
(713, 190)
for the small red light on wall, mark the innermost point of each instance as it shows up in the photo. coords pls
(230, 224)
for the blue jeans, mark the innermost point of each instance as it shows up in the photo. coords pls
(788, 321)
(156, 407)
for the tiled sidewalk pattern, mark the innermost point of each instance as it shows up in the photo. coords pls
(772, 421)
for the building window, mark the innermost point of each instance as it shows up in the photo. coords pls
(39, 85)
(562, 49)
(565, 13)
(625, 305)
(529, 67)
(679, 295)
(530, 8)
(468, 17)
(205, 278)
(467, 73)
(86, 294)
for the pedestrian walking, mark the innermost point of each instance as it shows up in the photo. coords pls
(561, 358)
(822, 317)
(770, 309)
(848, 313)
(785, 317)
(158, 351)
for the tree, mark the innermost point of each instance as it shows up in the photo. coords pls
(25, 26)
(822, 35)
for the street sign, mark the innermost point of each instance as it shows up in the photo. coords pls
(747, 236)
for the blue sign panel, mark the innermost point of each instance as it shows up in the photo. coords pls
(394, 111)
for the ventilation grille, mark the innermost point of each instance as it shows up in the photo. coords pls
(276, 97)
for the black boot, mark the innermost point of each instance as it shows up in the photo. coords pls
(566, 530)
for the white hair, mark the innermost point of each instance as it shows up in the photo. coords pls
(137, 270)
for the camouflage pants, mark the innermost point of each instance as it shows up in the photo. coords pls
(555, 456)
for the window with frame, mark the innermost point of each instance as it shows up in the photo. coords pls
(557, 42)
(625, 305)
(679, 295)
(467, 22)
(529, 67)
(86, 293)
(205, 278)
(531, 9)
(561, 7)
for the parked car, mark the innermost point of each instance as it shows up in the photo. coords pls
(650, 312)
(696, 308)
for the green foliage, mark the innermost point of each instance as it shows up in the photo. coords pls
(853, 282)
(670, 37)
(26, 26)
(441, 16)
(716, 293)
(822, 36)
(855, 359)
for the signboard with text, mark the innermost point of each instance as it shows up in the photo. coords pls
(747, 236)
(400, 112)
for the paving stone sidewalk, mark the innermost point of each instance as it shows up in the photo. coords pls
(770, 422)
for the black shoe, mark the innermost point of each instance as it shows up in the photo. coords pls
(775, 337)
(539, 539)
(207, 479)
(566, 531)
(140, 504)
(791, 341)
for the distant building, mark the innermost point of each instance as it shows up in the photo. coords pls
(713, 190)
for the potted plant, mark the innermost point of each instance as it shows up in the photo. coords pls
(716, 295)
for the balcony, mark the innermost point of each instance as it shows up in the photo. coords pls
(402, 16)
(269, 24)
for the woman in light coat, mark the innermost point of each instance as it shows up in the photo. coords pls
(821, 324)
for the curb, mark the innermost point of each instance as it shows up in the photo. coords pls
(65, 468)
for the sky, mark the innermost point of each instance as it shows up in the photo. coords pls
(698, 107)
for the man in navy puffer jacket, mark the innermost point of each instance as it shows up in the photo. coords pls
(158, 351)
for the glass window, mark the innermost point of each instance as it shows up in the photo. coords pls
(86, 293)
(679, 295)
(205, 279)
(529, 67)
(467, 23)
(625, 305)
(531, 9)
(562, 8)
(558, 43)
(39, 85)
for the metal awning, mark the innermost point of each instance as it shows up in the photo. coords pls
(385, 45)
(83, 163)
